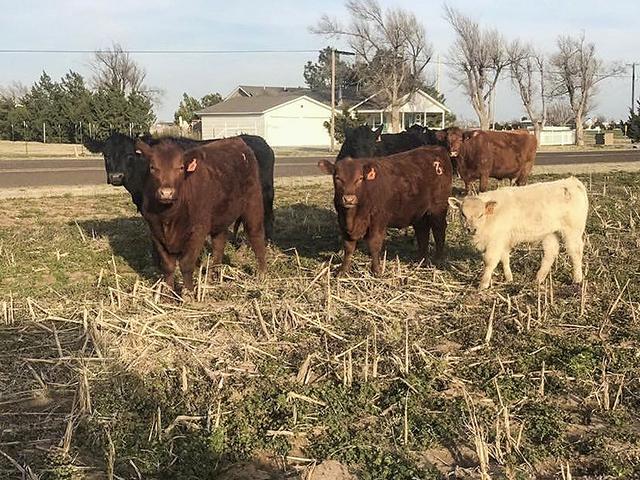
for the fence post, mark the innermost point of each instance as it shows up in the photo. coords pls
(44, 132)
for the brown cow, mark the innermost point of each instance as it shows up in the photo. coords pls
(481, 154)
(371, 194)
(191, 194)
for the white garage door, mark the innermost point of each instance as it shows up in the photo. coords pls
(296, 132)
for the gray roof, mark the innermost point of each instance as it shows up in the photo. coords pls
(257, 104)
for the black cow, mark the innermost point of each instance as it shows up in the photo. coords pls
(362, 142)
(129, 169)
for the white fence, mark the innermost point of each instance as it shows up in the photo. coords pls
(557, 136)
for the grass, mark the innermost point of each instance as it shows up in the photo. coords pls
(411, 375)
(17, 150)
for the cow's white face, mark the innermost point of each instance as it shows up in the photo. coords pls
(474, 212)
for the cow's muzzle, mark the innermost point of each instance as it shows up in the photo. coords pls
(116, 179)
(349, 201)
(166, 195)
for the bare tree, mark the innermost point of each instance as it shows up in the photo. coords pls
(478, 57)
(559, 113)
(13, 92)
(527, 74)
(114, 68)
(576, 71)
(391, 47)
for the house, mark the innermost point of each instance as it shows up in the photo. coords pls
(295, 117)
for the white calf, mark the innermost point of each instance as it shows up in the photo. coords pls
(503, 218)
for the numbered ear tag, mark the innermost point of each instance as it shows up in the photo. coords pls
(192, 166)
(438, 167)
(372, 174)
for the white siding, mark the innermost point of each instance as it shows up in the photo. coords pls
(420, 103)
(219, 126)
(297, 124)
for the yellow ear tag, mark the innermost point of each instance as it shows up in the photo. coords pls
(371, 175)
(192, 166)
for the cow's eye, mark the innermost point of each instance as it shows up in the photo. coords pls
(181, 168)
(360, 179)
(338, 180)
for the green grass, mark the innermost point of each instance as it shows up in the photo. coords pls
(392, 377)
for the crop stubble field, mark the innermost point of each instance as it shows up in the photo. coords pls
(411, 375)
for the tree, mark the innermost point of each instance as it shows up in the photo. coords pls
(112, 110)
(477, 57)
(43, 104)
(76, 106)
(633, 125)
(527, 74)
(189, 105)
(576, 71)
(317, 75)
(559, 113)
(391, 47)
(344, 120)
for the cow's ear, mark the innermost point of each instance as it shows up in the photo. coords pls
(441, 135)
(489, 207)
(93, 145)
(191, 159)
(143, 149)
(327, 167)
(370, 172)
(454, 203)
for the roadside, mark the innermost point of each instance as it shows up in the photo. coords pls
(307, 180)
(44, 151)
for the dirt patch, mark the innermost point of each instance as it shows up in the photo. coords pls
(330, 470)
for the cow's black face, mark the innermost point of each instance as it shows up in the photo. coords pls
(168, 169)
(119, 154)
(359, 142)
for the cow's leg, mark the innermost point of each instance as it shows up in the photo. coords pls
(192, 252)
(375, 239)
(422, 228)
(523, 176)
(575, 248)
(167, 264)
(551, 247)
(254, 228)
(349, 248)
(234, 236)
(506, 266)
(492, 256)
(218, 241)
(484, 183)
(439, 228)
(268, 218)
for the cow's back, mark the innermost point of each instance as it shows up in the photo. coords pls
(533, 211)
(411, 184)
(498, 154)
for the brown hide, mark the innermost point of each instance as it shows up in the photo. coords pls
(409, 188)
(499, 155)
(223, 187)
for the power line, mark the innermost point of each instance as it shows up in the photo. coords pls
(156, 52)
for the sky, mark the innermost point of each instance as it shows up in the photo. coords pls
(284, 25)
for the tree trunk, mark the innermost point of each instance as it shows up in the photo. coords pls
(579, 129)
(537, 130)
(395, 118)
(485, 121)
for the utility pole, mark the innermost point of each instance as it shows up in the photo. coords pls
(438, 74)
(633, 87)
(332, 129)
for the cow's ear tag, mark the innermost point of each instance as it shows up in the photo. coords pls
(372, 174)
(489, 207)
(138, 151)
(192, 166)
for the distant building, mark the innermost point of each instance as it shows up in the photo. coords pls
(295, 117)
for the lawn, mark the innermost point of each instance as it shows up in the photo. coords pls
(411, 375)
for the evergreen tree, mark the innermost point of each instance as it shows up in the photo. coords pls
(189, 105)
(76, 107)
(633, 129)
(44, 106)
(317, 75)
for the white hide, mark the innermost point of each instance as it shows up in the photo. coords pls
(538, 213)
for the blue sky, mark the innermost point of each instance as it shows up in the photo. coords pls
(249, 24)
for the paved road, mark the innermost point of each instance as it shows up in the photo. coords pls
(49, 172)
